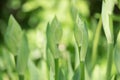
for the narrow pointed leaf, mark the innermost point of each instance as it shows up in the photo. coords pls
(51, 42)
(77, 30)
(107, 9)
(23, 54)
(13, 35)
(54, 34)
(58, 30)
(82, 37)
(73, 12)
(78, 34)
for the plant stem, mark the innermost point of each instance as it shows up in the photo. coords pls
(15, 60)
(79, 49)
(95, 42)
(56, 69)
(82, 70)
(109, 60)
(1, 74)
(82, 67)
(21, 77)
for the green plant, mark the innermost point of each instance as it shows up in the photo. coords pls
(72, 46)
(108, 28)
(54, 33)
(81, 36)
(16, 42)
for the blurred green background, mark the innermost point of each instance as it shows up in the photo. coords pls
(33, 16)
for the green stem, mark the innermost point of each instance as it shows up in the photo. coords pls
(79, 49)
(109, 61)
(56, 69)
(15, 60)
(21, 77)
(82, 70)
(1, 74)
(82, 67)
(95, 42)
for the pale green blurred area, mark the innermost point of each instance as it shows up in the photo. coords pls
(59, 8)
(40, 12)
(37, 37)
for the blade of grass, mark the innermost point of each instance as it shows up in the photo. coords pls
(107, 9)
(56, 69)
(82, 70)
(109, 61)
(82, 42)
(95, 42)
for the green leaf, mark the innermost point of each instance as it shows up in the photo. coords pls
(34, 72)
(61, 75)
(51, 42)
(22, 57)
(58, 30)
(73, 12)
(107, 9)
(76, 75)
(117, 53)
(50, 60)
(78, 34)
(54, 34)
(13, 35)
(8, 60)
(81, 37)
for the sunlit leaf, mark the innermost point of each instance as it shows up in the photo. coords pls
(77, 29)
(22, 57)
(107, 9)
(50, 63)
(81, 37)
(34, 72)
(57, 30)
(13, 35)
(50, 60)
(78, 35)
(8, 59)
(54, 34)
(117, 53)
(50, 41)
(73, 12)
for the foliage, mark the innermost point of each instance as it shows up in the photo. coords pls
(60, 40)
